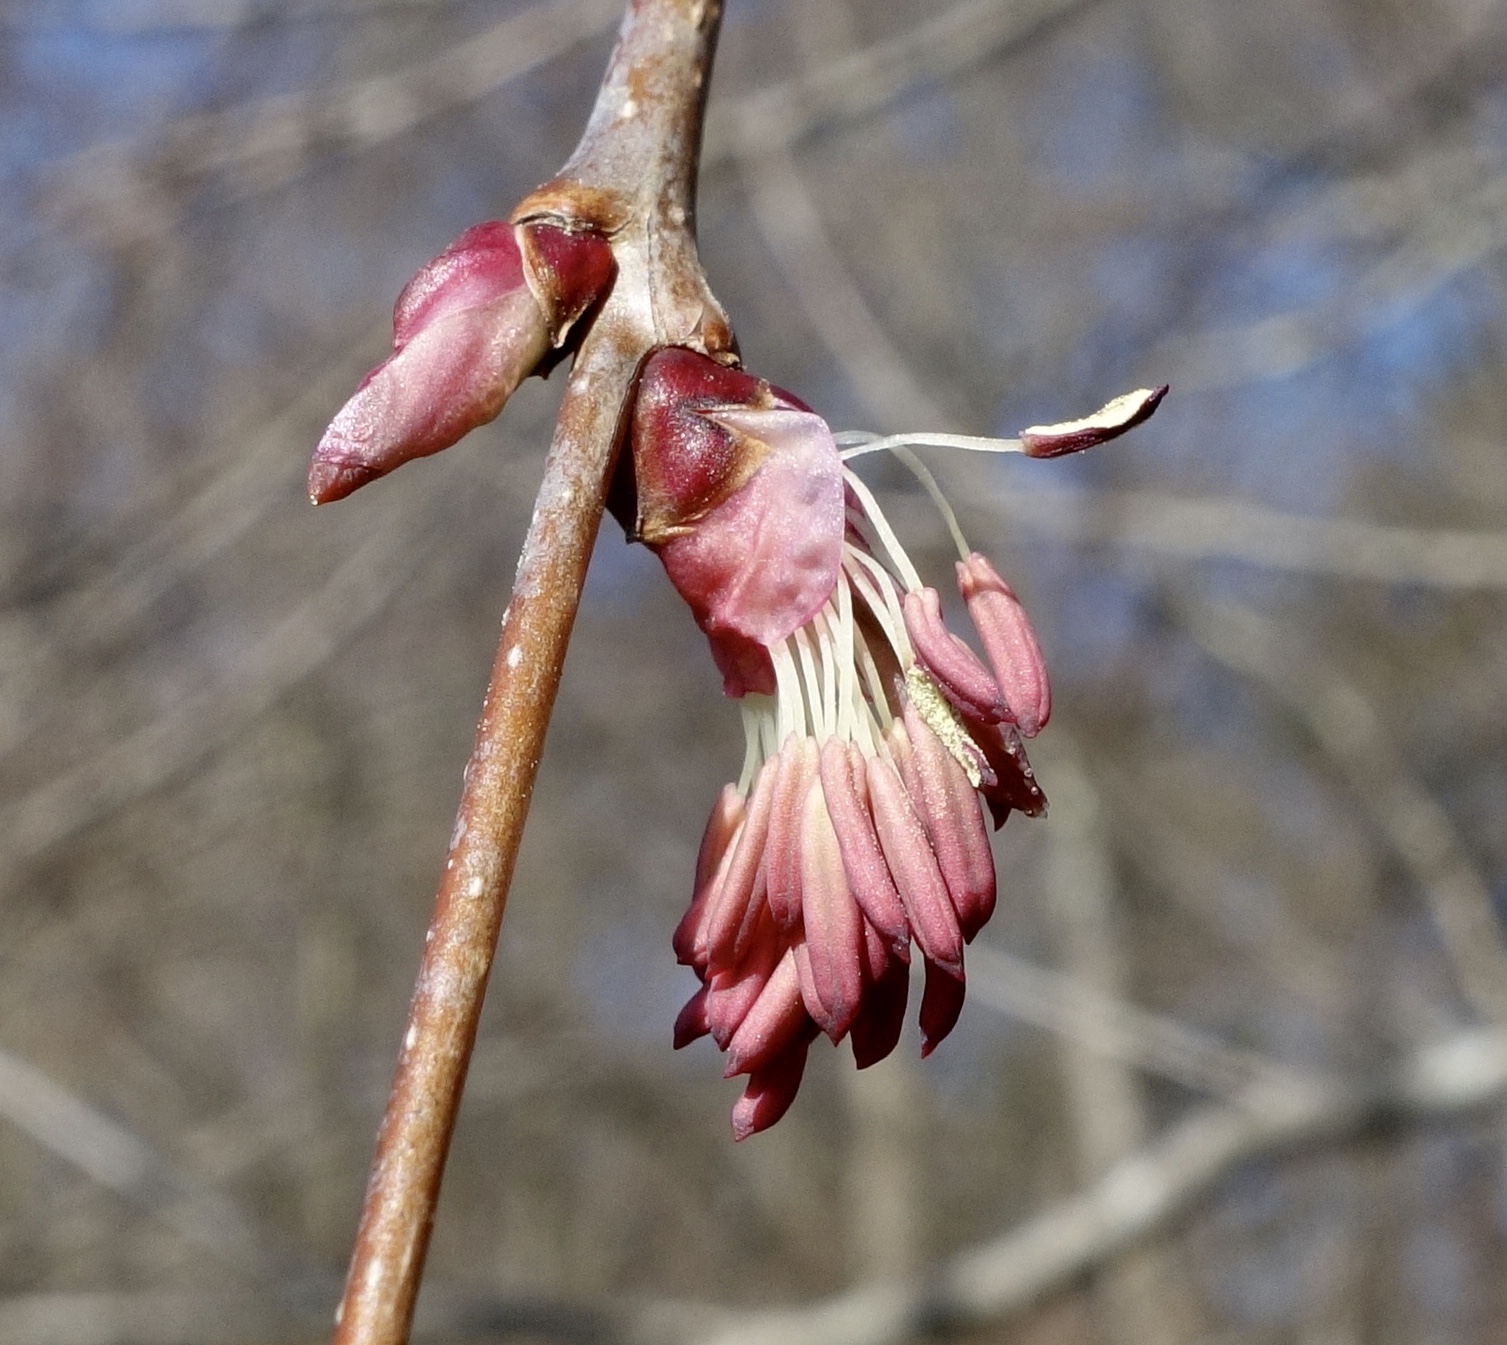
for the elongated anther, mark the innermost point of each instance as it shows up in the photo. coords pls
(955, 667)
(730, 916)
(1009, 642)
(774, 1020)
(941, 1004)
(933, 920)
(783, 849)
(831, 918)
(721, 828)
(772, 1088)
(948, 808)
(842, 777)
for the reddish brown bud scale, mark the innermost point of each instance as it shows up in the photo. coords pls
(738, 486)
(684, 463)
(568, 270)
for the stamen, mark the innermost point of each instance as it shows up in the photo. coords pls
(752, 735)
(856, 448)
(899, 561)
(824, 641)
(848, 690)
(878, 702)
(877, 586)
(813, 686)
(922, 473)
(790, 707)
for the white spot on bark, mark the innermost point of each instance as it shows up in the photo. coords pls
(515, 656)
(410, 1037)
(474, 887)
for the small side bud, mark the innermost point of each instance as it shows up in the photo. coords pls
(1108, 422)
(467, 329)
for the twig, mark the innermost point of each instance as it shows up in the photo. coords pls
(114, 191)
(1412, 821)
(633, 178)
(1141, 1195)
(121, 1161)
(1232, 529)
(853, 86)
(173, 744)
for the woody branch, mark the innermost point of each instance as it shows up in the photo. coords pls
(632, 181)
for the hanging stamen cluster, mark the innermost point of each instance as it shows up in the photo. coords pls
(855, 828)
(875, 735)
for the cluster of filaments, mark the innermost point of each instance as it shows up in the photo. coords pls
(856, 828)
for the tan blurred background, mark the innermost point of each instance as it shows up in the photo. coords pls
(1243, 999)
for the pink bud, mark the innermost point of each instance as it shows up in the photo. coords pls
(1009, 641)
(739, 487)
(467, 329)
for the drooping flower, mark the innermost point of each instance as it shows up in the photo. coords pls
(467, 329)
(873, 732)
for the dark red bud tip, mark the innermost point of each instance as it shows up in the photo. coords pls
(1108, 422)
(941, 1005)
(691, 1024)
(331, 480)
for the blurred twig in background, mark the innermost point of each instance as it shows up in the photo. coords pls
(1270, 890)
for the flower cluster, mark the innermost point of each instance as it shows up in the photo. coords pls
(874, 733)
(876, 737)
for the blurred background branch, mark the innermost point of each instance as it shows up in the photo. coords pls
(1230, 1068)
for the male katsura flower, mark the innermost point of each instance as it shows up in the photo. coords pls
(467, 329)
(873, 732)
